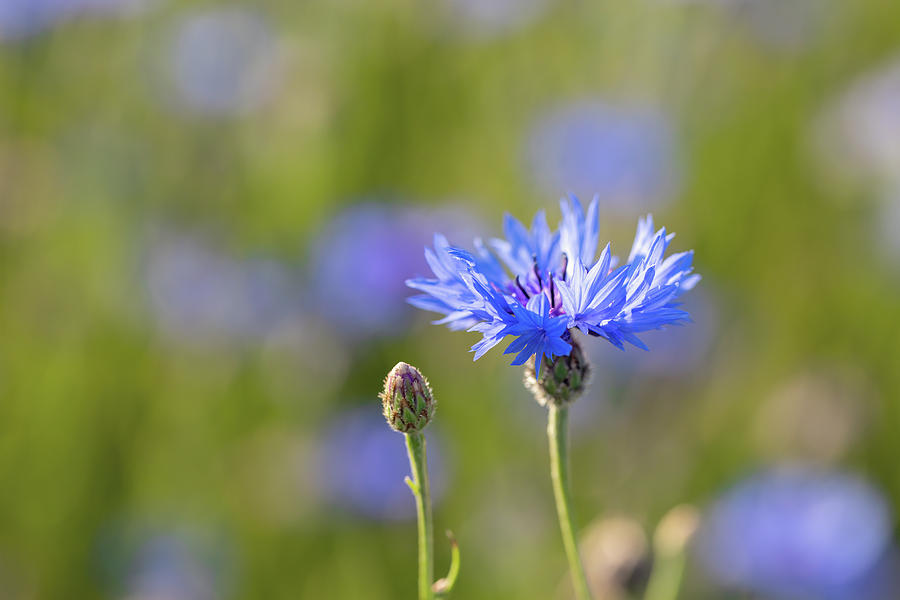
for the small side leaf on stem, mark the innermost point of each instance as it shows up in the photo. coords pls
(442, 587)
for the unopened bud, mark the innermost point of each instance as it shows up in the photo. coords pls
(561, 380)
(675, 530)
(617, 558)
(407, 399)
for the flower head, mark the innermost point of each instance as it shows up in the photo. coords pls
(538, 285)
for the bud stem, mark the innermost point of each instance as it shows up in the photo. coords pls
(665, 579)
(673, 534)
(557, 425)
(415, 444)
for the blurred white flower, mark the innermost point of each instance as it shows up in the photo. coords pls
(617, 557)
(859, 133)
(815, 416)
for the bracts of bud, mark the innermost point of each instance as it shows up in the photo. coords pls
(561, 380)
(407, 399)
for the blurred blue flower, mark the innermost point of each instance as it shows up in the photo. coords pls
(167, 566)
(176, 561)
(22, 18)
(361, 464)
(223, 61)
(488, 19)
(797, 532)
(198, 293)
(624, 154)
(552, 284)
(360, 259)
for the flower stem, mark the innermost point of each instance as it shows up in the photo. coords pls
(665, 580)
(559, 473)
(415, 444)
(670, 541)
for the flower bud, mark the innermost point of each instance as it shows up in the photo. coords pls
(561, 380)
(675, 530)
(617, 557)
(407, 399)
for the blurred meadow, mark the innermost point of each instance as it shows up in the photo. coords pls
(208, 211)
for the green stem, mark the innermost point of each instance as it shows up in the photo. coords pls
(559, 473)
(665, 580)
(415, 444)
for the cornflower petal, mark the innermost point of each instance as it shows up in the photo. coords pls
(578, 232)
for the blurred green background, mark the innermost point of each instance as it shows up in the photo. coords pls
(207, 211)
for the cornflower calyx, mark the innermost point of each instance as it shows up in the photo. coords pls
(407, 400)
(562, 379)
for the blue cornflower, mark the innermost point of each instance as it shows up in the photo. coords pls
(798, 531)
(537, 285)
(627, 154)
